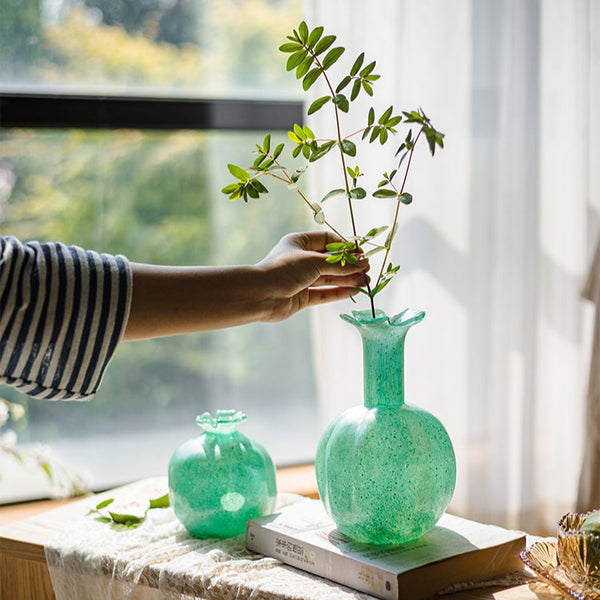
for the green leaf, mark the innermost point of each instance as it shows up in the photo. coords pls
(278, 150)
(380, 287)
(383, 136)
(299, 132)
(267, 143)
(343, 84)
(358, 193)
(238, 172)
(322, 151)
(323, 44)
(303, 31)
(384, 194)
(348, 147)
(229, 189)
(296, 151)
(385, 116)
(308, 132)
(332, 193)
(297, 174)
(237, 194)
(405, 198)
(375, 232)
(367, 70)
(367, 87)
(306, 151)
(372, 252)
(391, 235)
(317, 104)
(412, 117)
(314, 36)
(393, 121)
(357, 64)
(259, 187)
(251, 191)
(341, 102)
(304, 66)
(355, 89)
(290, 47)
(295, 59)
(103, 519)
(371, 116)
(311, 77)
(375, 133)
(406, 153)
(336, 246)
(104, 503)
(334, 258)
(332, 56)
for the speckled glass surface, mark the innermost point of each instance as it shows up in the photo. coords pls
(386, 470)
(221, 479)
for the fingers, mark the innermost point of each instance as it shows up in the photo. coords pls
(315, 241)
(318, 296)
(359, 279)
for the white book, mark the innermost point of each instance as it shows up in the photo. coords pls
(456, 550)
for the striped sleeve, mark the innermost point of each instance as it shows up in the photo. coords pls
(63, 312)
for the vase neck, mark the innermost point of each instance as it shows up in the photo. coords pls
(383, 355)
(383, 370)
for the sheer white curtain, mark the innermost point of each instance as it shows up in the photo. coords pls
(497, 243)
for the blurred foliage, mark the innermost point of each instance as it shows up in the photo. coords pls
(193, 45)
(80, 51)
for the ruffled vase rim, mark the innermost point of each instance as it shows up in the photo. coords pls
(364, 318)
(224, 421)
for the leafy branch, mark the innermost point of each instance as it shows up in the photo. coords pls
(311, 56)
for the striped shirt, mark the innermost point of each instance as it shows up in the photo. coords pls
(63, 312)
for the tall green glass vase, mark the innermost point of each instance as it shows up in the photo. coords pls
(386, 470)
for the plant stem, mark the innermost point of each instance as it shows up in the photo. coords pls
(347, 186)
(287, 179)
(388, 247)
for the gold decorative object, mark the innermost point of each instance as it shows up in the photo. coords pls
(572, 563)
(542, 559)
(578, 552)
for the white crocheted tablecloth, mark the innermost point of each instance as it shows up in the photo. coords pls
(160, 561)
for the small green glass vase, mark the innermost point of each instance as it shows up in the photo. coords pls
(221, 479)
(386, 470)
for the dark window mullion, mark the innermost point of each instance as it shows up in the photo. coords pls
(97, 112)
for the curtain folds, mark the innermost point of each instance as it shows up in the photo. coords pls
(497, 243)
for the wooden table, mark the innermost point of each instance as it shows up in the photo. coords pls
(24, 574)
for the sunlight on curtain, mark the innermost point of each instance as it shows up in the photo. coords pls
(495, 247)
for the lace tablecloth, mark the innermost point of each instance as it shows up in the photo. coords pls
(159, 560)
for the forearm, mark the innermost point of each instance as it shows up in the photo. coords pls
(175, 300)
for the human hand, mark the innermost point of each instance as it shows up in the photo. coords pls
(298, 274)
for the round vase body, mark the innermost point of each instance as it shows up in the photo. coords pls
(221, 479)
(386, 470)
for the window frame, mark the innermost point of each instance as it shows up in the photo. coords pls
(79, 111)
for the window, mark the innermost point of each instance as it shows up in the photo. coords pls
(118, 120)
